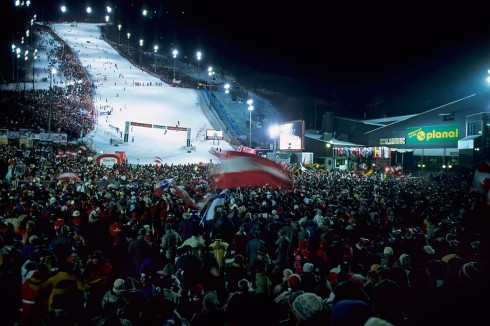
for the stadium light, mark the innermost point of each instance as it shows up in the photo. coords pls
(250, 109)
(89, 11)
(13, 61)
(198, 56)
(141, 50)
(63, 10)
(155, 48)
(174, 54)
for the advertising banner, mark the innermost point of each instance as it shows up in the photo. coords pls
(4, 136)
(432, 134)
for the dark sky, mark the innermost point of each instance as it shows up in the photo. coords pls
(376, 57)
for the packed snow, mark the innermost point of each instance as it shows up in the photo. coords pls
(132, 95)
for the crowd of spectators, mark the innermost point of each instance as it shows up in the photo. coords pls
(68, 104)
(337, 249)
(112, 247)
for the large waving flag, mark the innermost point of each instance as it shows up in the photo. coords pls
(240, 169)
(71, 153)
(481, 181)
(219, 200)
(184, 195)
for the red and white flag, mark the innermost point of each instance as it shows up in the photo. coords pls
(398, 170)
(481, 178)
(240, 169)
(388, 170)
(184, 195)
(68, 175)
(71, 153)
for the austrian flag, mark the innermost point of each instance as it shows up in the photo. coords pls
(240, 169)
(68, 175)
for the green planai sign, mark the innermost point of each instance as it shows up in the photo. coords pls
(432, 134)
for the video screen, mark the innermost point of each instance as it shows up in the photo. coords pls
(214, 134)
(291, 136)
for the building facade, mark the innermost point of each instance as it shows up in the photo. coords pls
(454, 134)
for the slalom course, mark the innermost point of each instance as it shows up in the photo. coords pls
(124, 93)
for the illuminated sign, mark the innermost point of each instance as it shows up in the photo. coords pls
(432, 134)
(291, 135)
(391, 141)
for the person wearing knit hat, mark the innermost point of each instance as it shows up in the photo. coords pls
(210, 313)
(294, 282)
(405, 262)
(118, 283)
(376, 321)
(429, 250)
(308, 280)
(285, 299)
(388, 251)
(307, 305)
(388, 257)
(197, 292)
(30, 295)
(350, 313)
(308, 268)
(470, 274)
(283, 286)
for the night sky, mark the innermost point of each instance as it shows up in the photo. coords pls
(381, 59)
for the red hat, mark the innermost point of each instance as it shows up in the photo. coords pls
(198, 290)
(294, 280)
(59, 223)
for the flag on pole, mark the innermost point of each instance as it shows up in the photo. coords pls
(481, 181)
(61, 154)
(68, 175)
(481, 178)
(398, 170)
(240, 169)
(388, 170)
(368, 172)
(164, 184)
(219, 200)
